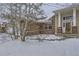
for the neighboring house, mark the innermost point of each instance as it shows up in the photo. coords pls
(3, 27)
(67, 20)
(3, 24)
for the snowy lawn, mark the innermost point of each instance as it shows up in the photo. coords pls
(35, 48)
(4, 38)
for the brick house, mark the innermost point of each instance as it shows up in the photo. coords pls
(41, 27)
(3, 24)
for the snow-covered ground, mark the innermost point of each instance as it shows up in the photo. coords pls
(4, 38)
(34, 47)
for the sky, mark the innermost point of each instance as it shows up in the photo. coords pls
(50, 7)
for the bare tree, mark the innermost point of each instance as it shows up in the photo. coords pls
(20, 14)
(25, 12)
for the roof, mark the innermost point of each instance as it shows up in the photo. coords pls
(48, 20)
(67, 8)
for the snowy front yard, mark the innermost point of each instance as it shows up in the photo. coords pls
(36, 48)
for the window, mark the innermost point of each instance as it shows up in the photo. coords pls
(63, 18)
(67, 17)
(48, 27)
(71, 17)
(45, 26)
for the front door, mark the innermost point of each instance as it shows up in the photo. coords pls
(68, 27)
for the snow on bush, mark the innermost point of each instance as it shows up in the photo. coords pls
(44, 36)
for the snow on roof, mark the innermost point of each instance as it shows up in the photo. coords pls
(75, 5)
(44, 21)
(50, 16)
(47, 20)
(68, 7)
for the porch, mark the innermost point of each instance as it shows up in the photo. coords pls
(66, 22)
